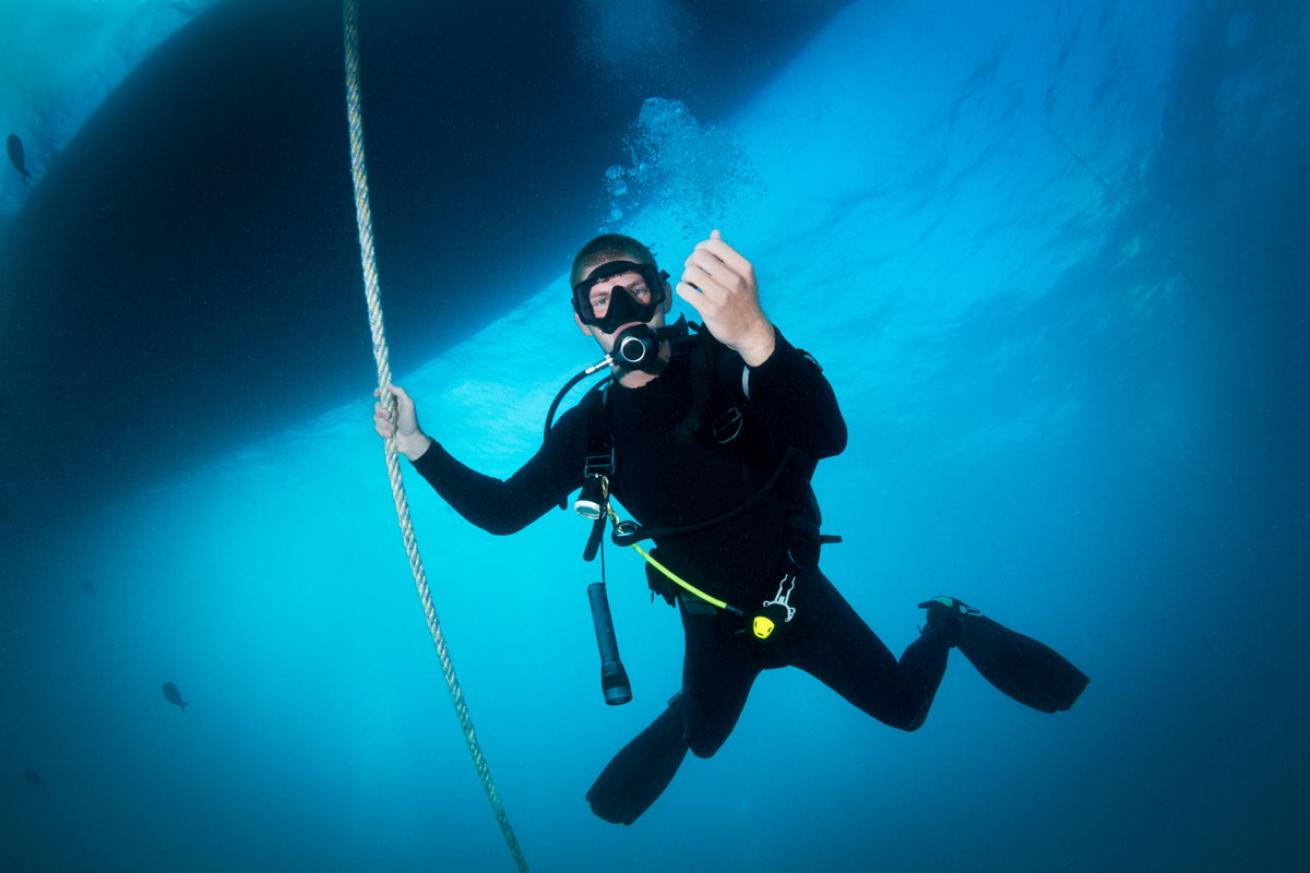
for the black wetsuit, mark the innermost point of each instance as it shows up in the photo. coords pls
(667, 478)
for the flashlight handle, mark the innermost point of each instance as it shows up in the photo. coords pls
(613, 678)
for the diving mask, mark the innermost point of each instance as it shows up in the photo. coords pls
(618, 304)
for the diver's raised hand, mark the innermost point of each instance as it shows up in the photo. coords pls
(410, 440)
(720, 285)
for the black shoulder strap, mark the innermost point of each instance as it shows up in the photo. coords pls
(701, 364)
(709, 363)
(598, 446)
(599, 460)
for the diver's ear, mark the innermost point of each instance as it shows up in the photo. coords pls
(585, 328)
(668, 293)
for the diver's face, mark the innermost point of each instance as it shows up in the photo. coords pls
(603, 293)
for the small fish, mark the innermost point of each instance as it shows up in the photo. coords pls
(16, 156)
(33, 777)
(88, 588)
(173, 696)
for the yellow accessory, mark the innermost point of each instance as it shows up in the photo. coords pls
(674, 577)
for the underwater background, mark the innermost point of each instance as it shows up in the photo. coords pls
(1052, 257)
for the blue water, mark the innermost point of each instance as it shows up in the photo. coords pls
(1053, 260)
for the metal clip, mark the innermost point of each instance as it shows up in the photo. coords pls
(785, 588)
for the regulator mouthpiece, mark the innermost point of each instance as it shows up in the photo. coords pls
(638, 348)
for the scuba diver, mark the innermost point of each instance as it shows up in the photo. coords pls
(709, 438)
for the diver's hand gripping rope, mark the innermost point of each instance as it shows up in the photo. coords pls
(364, 219)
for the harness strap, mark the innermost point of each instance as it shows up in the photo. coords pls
(687, 586)
(630, 533)
(761, 625)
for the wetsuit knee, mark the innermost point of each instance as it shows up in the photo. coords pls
(705, 745)
(910, 722)
(705, 738)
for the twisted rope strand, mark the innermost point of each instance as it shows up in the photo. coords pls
(364, 220)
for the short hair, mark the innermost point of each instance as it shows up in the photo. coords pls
(608, 247)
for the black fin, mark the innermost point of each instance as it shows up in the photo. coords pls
(1029, 671)
(641, 770)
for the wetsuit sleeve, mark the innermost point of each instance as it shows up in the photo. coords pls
(791, 389)
(506, 506)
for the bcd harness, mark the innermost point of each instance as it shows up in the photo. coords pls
(791, 474)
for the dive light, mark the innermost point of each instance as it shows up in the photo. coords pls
(613, 678)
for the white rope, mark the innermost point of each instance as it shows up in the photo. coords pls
(364, 219)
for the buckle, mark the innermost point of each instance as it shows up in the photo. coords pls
(597, 466)
(727, 427)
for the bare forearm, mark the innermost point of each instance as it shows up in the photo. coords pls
(413, 446)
